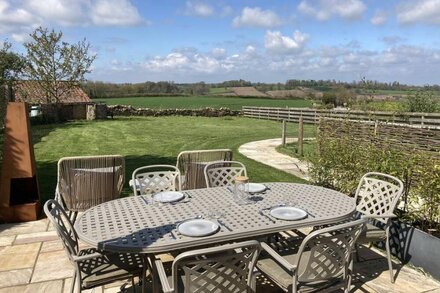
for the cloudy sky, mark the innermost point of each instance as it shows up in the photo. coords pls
(269, 41)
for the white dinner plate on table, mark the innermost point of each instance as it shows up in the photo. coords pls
(255, 187)
(168, 196)
(198, 228)
(288, 213)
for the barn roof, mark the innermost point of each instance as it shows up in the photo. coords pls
(31, 92)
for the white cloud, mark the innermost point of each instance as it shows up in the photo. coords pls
(64, 12)
(20, 18)
(379, 18)
(199, 9)
(424, 11)
(17, 21)
(115, 13)
(325, 9)
(404, 63)
(275, 42)
(256, 17)
(219, 53)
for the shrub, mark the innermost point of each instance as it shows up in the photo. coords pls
(341, 159)
(422, 102)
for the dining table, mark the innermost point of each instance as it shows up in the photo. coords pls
(136, 224)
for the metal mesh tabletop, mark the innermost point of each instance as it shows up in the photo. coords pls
(132, 224)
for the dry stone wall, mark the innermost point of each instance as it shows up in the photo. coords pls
(121, 110)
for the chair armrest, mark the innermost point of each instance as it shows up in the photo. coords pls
(163, 277)
(384, 216)
(78, 258)
(278, 258)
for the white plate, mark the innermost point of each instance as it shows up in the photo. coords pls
(168, 196)
(198, 228)
(255, 187)
(288, 213)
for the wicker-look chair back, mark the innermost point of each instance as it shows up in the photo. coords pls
(223, 173)
(191, 165)
(84, 182)
(378, 194)
(227, 268)
(61, 222)
(155, 178)
(326, 253)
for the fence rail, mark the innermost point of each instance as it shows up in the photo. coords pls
(312, 116)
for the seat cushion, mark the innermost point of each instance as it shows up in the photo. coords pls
(108, 268)
(371, 233)
(284, 278)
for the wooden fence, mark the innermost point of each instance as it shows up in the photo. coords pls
(312, 116)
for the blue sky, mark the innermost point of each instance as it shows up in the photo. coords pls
(268, 41)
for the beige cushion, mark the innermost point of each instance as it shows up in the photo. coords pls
(284, 278)
(371, 233)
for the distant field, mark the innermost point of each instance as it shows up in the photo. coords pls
(219, 90)
(195, 102)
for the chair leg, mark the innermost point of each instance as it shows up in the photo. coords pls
(356, 252)
(390, 263)
(348, 275)
(72, 286)
(133, 285)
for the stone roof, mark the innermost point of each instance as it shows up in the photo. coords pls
(31, 92)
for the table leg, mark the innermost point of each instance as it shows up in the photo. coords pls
(149, 264)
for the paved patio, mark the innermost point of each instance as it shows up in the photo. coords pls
(32, 259)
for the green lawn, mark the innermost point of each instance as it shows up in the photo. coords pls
(145, 140)
(195, 102)
(291, 149)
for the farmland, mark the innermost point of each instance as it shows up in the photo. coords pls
(195, 102)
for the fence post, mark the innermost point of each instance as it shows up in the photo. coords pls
(301, 136)
(376, 124)
(283, 133)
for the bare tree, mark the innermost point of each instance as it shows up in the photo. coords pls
(57, 65)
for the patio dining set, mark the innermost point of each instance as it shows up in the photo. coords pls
(221, 231)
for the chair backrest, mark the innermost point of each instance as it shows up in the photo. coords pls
(65, 230)
(226, 268)
(84, 182)
(192, 164)
(378, 194)
(155, 178)
(223, 173)
(325, 254)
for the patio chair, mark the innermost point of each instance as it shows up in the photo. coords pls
(155, 178)
(87, 181)
(227, 268)
(323, 258)
(376, 198)
(92, 268)
(223, 173)
(192, 164)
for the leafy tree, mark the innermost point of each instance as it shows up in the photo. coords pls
(422, 102)
(11, 64)
(56, 64)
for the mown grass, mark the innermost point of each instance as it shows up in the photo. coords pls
(145, 141)
(291, 149)
(195, 102)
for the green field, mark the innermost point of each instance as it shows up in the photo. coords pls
(219, 90)
(148, 140)
(195, 102)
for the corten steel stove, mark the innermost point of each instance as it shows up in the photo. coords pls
(19, 192)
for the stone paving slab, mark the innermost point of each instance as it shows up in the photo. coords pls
(263, 151)
(55, 286)
(36, 237)
(23, 228)
(15, 277)
(7, 240)
(52, 265)
(19, 256)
